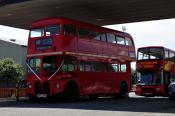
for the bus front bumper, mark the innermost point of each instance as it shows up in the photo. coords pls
(149, 91)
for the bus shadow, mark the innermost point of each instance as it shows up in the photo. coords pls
(140, 104)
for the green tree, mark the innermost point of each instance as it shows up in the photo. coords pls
(10, 71)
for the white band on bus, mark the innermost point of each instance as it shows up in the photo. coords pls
(33, 71)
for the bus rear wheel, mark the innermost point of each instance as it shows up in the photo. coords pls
(33, 98)
(71, 92)
(94, 97)
(171, 97)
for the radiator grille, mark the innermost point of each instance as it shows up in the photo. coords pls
(46, 88)
(38, 88)
(42, 88)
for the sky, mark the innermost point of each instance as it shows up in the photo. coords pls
(149, 33)
(20, 35)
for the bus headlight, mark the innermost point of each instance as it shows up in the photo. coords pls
(58, 85)
(29, 86)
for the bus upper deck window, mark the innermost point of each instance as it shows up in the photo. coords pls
(103, 37)
(84, 33)
(37, 32)
(120, 40)
(52, 30)
(128, 41)
(111, 38)
(69, 30)
(95, 35)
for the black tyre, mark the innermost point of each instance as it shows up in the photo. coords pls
(93, 97)
(71, 92)
(123, 90)
(171, 97)
(33, 98)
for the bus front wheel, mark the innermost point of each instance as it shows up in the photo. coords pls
(71, 92)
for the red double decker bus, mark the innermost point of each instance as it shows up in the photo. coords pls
(75, 59)
(155, 70)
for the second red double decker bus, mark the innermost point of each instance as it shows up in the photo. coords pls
(75, 59)
(155, 70)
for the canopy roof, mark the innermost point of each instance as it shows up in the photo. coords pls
(99, 12)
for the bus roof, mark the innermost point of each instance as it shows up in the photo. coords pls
(152, 47)
(60, 19)
(157, 47)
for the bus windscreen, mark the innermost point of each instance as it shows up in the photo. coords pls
(150, 53)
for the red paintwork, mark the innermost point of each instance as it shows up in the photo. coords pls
(155, 90)
(88, 82)
(81, 45)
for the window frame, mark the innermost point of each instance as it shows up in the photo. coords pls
(116, 36)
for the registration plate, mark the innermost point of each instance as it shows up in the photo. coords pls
(42, 95)
(148, 93)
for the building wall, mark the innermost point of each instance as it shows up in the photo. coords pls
(15, 51)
